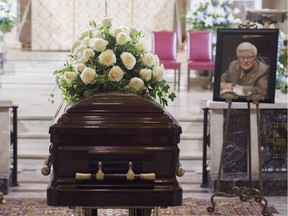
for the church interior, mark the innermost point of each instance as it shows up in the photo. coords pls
(196, 154)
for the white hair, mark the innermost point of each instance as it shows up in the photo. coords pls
(246, 46)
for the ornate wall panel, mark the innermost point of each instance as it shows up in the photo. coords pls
(56, 24)
(153, 16)
(51, 25)
(83, 12)
(120, 11)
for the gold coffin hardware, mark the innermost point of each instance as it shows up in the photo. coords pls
(129, 176)
(148, 176)
(2, 200)
(100, 174)
(83, 176)
(46, 168)
(180, 171)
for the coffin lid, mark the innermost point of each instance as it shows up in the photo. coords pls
(115, 102)
(116, 113)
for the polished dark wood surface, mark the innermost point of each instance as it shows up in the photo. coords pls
(115, 129)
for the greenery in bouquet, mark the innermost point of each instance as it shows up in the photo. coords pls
(108, 58)
(7, 18)
(212, 14)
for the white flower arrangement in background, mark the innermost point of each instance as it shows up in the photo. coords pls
(106, 58)
(212, 14)
(7, 18)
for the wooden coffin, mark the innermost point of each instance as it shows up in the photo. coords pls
(114, 150)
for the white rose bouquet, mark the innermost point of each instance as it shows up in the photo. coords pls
(107, 58)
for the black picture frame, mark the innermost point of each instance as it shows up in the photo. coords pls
(266, 42)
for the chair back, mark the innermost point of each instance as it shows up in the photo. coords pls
(199, 47)
(164, 44)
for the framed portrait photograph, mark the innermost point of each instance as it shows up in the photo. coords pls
(245, 64)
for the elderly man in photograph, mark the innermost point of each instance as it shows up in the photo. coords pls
(246, 75)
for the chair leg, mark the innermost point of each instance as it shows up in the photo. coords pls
(179, 80)
(211, 81)
(175, 79)
(188, 80)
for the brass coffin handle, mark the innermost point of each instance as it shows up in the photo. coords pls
(46, 168)
(83, 176)
(129, 176)
(100, 175)
(148, 176)
(2, 200)
(180, 171)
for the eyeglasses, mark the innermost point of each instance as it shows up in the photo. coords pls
(249, 58)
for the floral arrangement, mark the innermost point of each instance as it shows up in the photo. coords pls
(282, 78)
(7, 18)
(106, 58)
(212, 14)
(282, 63)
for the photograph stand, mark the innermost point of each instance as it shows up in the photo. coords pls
(243, 192)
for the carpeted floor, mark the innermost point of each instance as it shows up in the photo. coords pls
(191, 206)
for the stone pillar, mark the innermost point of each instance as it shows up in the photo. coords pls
(4, 144)
(217, 133)
(237, 141)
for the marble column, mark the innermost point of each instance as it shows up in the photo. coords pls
(235, 162)
(4, 144)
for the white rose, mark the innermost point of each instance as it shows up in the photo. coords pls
(88, 76)
(140, 46)
(122, 38)
(79, 49)
(157, 60)
(75, 44)
(88, 53)
(79, 67)
(84, 34)
(159, 72)
(149, 60)
(85, 41)
(59, 80)
(117, 30)
(96, 33)
(133, 31)
(115, 74)
(136, 83)
(81, 59)
(107, 22)
(107, 58)
(128, 60)
(99, 44)
(70, 76)
(145, 74)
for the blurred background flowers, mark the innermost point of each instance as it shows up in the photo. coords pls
(212, 14)
(7, 18)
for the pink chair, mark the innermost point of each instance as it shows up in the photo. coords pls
(164, 45)
(199, 53)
